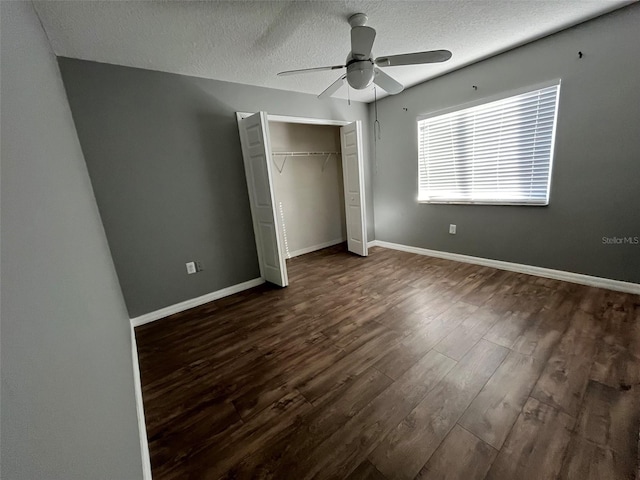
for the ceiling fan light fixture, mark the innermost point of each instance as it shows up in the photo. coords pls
(360, 74)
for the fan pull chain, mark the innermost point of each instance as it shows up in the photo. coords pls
(376, 123)
(348, 94)
(376, 136)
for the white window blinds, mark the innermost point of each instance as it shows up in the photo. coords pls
(496, 153)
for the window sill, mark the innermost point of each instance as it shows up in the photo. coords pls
(483, 202)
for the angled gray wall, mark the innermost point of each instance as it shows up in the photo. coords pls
(164, 156)
(595, 188)
(68, 402)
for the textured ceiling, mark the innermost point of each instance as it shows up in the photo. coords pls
(250, 41)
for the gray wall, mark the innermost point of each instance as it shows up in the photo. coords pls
(68, 403)
(595, 188)
(164, 157)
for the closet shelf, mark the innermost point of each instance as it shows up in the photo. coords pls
(301, 154)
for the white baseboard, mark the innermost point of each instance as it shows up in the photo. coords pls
(372, 243)
(579, 278)
(142, 426)
(195, 302)
(302, 251)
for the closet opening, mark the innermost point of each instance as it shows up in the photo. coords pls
(308, 186)
(305, 179)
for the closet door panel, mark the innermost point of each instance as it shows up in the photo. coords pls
(256, 152)
(353, 173)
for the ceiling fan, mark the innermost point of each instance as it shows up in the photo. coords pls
(362, 70)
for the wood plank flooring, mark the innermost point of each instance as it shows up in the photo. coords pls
(396, 366)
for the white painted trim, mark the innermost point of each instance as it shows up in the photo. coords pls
(194, 302)
(142, 426)
(313, 248)
(292, 119)
(579, 278)
(372, 243)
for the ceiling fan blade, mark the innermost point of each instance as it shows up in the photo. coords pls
(433, 56)
(333, 88)
(387, 83)
(308, 70)
(362, 41)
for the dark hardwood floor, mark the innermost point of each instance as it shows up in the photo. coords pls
(396, 366)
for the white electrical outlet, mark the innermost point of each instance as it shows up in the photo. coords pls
(191, 268)
(452, 229)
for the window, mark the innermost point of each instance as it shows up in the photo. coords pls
(495, 153)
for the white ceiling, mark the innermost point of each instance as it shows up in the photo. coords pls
(250, 41)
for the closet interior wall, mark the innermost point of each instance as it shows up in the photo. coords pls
(309, 191)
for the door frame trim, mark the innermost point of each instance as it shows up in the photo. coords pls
(292, 119)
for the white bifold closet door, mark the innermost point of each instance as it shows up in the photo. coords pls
(353, 174)
(256, 151)
(267, 225)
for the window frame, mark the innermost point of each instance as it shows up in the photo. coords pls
(482, 101)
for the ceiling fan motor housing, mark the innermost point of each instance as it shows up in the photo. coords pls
(360, 73)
